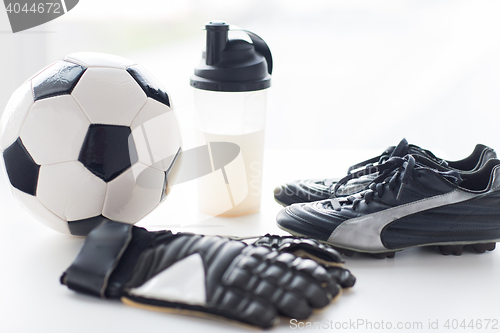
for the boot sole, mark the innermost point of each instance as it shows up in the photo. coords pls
(445, 249)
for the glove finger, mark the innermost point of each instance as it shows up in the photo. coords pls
(310, 280)
(324, 279)
(295, 306)
(272, 277)
(312, 249)
(294, 285)
(302, 247)
(234, 304)
(343, 276)
(319, 294)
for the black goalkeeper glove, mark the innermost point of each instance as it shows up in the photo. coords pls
(213, 275)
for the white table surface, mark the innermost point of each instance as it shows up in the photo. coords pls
(388, 66)
(418, 286)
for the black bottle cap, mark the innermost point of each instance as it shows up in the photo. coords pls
(233, 64)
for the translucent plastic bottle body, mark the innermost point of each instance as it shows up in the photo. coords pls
(237, 117)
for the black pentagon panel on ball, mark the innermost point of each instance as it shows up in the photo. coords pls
(149, 84)
(21, 168)
(108, 150)
(59, 79)
(84, 227)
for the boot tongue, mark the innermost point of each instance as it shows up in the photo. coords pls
(401, 149)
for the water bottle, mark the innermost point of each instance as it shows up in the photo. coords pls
(230, 96)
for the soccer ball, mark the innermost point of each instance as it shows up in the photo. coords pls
(89, 137)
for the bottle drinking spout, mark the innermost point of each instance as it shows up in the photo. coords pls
(217, 37)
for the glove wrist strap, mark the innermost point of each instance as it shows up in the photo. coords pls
(97, 259)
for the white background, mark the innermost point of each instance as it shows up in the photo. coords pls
(350, 78)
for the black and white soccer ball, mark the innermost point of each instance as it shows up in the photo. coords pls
(90, 136)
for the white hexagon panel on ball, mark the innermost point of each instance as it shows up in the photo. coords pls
(71, 191)
(109, 96)
(134, 194)
(54, 130)
(35, 208)
(156, 135)
(14, 114)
